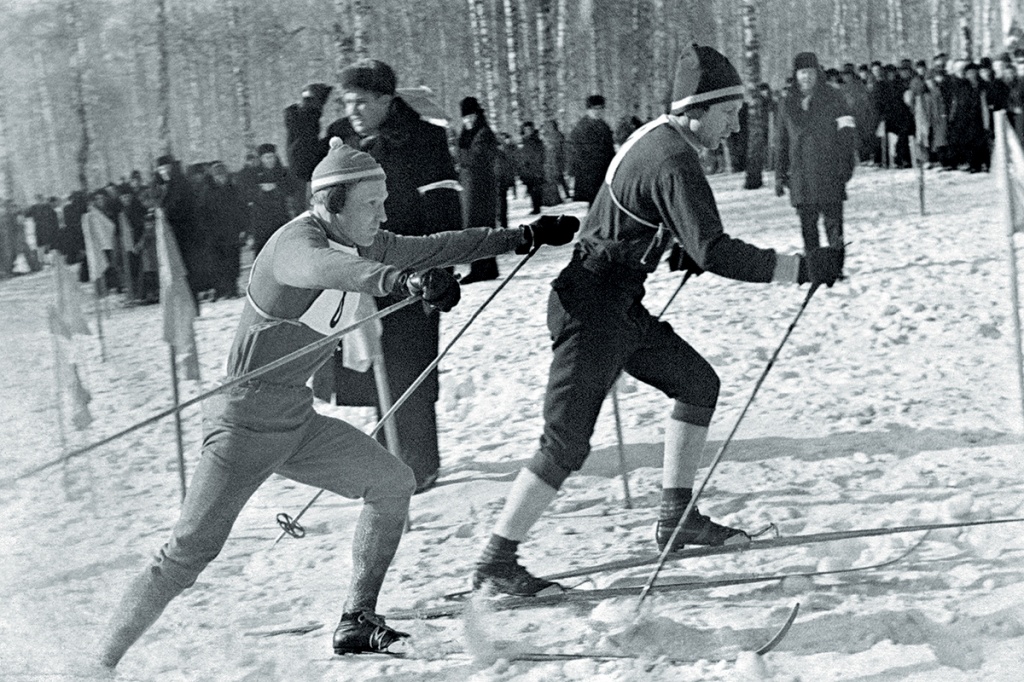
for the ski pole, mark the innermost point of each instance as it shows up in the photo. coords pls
(269, 367)
(718, 456)
(290, 525)
(623, 469)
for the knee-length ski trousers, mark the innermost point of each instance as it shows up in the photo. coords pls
(600, 328)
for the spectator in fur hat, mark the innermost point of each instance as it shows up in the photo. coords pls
(477, 150)
(173, 194)
(273, 195)
(816, 153)
(591, 147)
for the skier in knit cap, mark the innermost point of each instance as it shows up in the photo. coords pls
(654, 194)
(317, 274)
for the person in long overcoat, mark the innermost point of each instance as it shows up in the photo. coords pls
(422, 199)
(271, 195)
(815, 152)
(477, 150)
(922, 101)
(177, 199)
(223, 215)
(505, 175)
(591, 148)
(530, 164)
(554, 163)
(70, 239)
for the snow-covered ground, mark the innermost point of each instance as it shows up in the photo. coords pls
(895, 401)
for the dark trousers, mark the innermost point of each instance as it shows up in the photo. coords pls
(833, 219)
(503, 206)
(536, 192)
(599, 328)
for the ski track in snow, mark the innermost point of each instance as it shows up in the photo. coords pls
(895, 401)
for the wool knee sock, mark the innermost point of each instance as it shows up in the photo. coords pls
(499, 550)
(674, 501)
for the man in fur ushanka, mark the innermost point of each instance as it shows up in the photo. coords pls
(317, 274)
(654, 194)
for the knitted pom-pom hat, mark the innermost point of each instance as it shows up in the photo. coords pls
(703, 77)
(344, 165)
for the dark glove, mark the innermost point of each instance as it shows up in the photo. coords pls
(438, 287)
(680, 260)
(780, 187)
(317, 94)
(550, 230)
(822, 266)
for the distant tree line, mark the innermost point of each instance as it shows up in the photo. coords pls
(91, 89)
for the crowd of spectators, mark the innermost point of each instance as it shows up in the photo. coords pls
(937, 113)
(212, 212)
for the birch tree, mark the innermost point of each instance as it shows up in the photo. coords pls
(560, 57)
(515, 75)
(545, 61)
(966, 35)
(360, 19)
(79, 65)
(239, 60)
(596, 81)
(756, 138)
(163, 98)
(344, 38)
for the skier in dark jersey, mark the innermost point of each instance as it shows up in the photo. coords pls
(308, 281)
(654, 193)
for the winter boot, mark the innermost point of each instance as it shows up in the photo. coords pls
(698, 530)
(363, 632)
(509, 577)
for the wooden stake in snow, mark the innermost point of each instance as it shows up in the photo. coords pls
(1008, 152)
(179, 314)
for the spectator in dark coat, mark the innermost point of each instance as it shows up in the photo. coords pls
(131, 221)
(302, 123)
(176, 198)
(505, 175)
(815, 152)
(422, 199)
(477, 150)
(44, 216)
(530, 164)
(554, 163)
(271, 195)
(858, 99)
(222, 216)
(8, 237)
(970, 121)
(70, 239)
(591, 149)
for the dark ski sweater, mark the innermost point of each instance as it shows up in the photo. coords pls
(656, 176)
(305, 285)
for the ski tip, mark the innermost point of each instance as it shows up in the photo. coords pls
(781, 634)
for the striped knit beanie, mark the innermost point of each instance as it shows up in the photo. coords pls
(344, 165)
(703, 77)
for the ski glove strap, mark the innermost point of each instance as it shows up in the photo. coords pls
(438, 287)
(822, 266)
(548, 229)
(680, 260)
